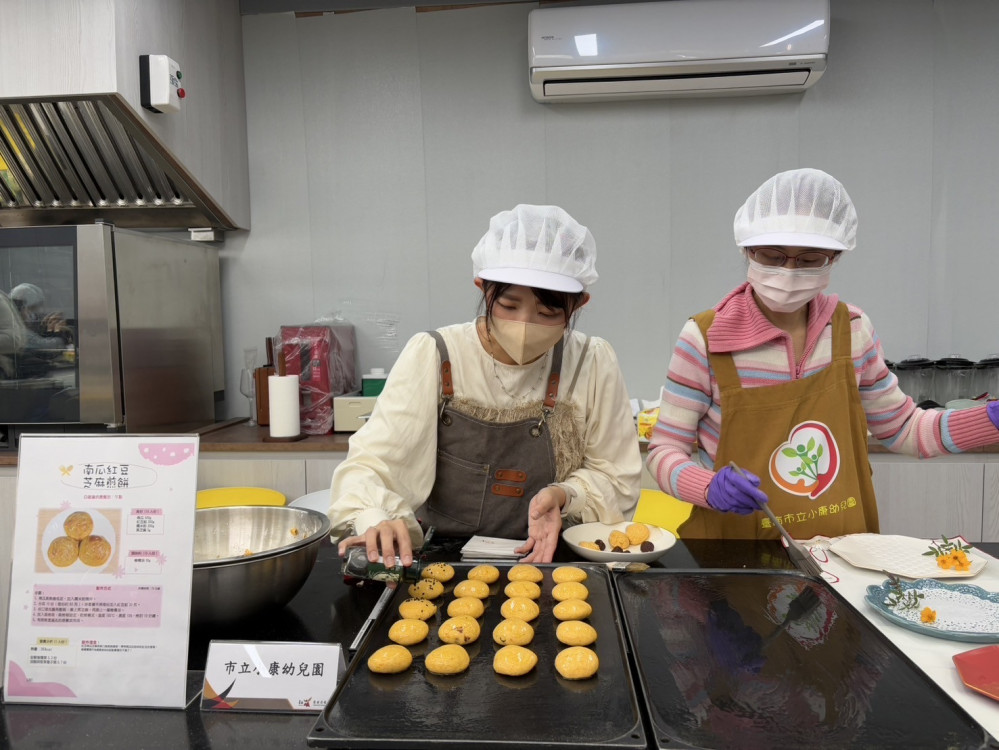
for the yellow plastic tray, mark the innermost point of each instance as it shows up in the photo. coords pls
(663, 510)
(219, 497)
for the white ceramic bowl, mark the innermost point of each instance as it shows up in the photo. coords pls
(313, 501)
(661, 539)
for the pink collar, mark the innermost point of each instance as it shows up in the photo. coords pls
(739, 325)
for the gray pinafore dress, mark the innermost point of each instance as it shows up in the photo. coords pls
(487, 472)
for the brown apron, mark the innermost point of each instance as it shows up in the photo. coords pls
(807, 442)
(487, 472)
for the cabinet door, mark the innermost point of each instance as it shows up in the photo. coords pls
(929, 498)
(284, 475)
(990, 512)
(319, 473)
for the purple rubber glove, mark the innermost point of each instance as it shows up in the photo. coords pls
(993, 411)
(732, 492)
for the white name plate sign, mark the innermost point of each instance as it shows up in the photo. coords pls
(271, 676)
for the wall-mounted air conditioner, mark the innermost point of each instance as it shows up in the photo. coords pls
(676, 48)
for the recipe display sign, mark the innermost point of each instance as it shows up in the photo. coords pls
(100, 596)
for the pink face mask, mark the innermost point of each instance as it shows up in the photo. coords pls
(785, 290)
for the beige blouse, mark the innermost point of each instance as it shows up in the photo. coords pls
(391, 464)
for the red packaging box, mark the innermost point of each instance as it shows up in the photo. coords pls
(323, 358)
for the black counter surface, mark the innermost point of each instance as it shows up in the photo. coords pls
(325, 610)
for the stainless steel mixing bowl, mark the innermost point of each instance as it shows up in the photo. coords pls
(251, 557)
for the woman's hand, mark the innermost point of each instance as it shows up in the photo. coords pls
(544, 522)
(54, 323)
(387, 540)
(735, 491)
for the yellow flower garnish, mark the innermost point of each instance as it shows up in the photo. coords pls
(956, 560)
(961, 561)
(928, 616)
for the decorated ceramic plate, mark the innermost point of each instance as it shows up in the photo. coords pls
(979, 670)
(962, 612)
(902, 555)
(597, 533)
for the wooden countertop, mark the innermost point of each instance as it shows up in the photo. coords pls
(235, 436)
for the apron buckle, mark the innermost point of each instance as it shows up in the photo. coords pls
(536, 430)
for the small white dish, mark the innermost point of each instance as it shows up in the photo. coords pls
(313, 501)
(900, 555)
(661, 540)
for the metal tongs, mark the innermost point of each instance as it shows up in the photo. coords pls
(800, 556)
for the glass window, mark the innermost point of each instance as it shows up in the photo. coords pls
(39, 376)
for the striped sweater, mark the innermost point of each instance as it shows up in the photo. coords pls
(690, 415)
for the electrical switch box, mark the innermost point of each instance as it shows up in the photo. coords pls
(160, 83)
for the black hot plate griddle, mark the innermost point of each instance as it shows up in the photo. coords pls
(416, 709)
(756, 659)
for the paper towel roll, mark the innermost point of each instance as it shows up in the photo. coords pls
(282, 390)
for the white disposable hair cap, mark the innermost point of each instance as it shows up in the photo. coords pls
(536, 246)
(799, 208)
(27, 295)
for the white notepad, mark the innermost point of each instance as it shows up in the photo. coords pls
(491, 548)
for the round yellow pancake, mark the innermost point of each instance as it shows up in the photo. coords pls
(568, 573)
(513, 631)
(417, 609)
(524, 572)
(428, 588)
(466, 605)
(527, 589)
(484, 573)
(521, 608)
(570, 590)
(438, 571)
(576, 633)
(478, 589)
(448, 659)
(514, 661)
(408, 632)
(572, 609)
(461, 629)
(390, 659)
(577, 663)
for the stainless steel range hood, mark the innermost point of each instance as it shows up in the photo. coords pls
(76, 143)
(75, 160)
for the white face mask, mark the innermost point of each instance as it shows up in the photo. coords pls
(524, 342)
(785, 290)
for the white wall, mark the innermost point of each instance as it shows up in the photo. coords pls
(381, 142)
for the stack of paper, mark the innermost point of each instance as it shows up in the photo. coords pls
(491, 548)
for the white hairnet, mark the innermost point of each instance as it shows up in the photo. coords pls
(27, 295)
(799, 208)
(537, 246)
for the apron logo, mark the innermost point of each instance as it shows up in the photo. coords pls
(808, 463)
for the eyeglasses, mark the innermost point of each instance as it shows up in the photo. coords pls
(772, 256)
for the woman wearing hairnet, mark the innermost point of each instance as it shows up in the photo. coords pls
(784, 382)
(30, 302)
(506, 426)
